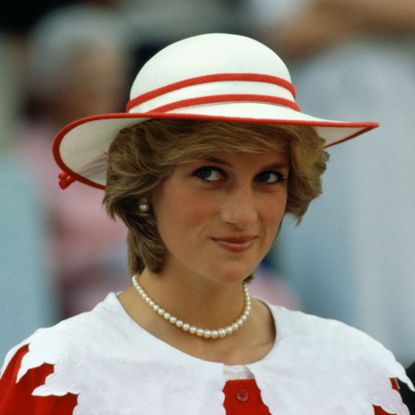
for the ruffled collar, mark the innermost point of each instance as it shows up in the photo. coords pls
(115, 366)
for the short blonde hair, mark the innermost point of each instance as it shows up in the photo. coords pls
(142, 156)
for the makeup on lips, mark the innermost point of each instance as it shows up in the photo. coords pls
(235, 244)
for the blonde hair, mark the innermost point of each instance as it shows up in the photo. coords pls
(143, 155)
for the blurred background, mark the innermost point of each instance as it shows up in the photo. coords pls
(352, 258)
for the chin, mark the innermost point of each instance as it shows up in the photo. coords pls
(234, 275)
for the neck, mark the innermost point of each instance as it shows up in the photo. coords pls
(205, 305)
(193, 299)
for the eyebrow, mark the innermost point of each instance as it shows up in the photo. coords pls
(216, 160)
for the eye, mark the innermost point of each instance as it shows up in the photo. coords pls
(270, 177)
(209, 174)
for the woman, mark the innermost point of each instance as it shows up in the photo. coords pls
(210, 156)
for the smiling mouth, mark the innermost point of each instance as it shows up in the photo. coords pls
(235, 244)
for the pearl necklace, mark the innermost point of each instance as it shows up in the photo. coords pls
(206, 333)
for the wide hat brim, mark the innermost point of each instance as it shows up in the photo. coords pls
(218, 76)
(80, 149)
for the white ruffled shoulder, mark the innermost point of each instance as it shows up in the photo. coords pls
(316, 366)
(324, 366)
(115, 367)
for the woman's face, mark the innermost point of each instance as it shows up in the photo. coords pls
(218, 216)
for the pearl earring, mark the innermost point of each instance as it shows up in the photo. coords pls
(144, 205)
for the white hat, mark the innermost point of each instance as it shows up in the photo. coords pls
(214, 76)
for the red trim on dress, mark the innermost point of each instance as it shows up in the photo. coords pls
(378, 409)
(17, 398)
(220, 77)
(243, 397)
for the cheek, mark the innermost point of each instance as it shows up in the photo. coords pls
(198, 209)
(182, 217)
(273, 213)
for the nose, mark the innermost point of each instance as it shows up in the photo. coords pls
(239, 208)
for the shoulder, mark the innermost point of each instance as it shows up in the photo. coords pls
(17, 397)
(48, 369)
(308, 326)
(328, 340)
(70, 340)
(315, 357)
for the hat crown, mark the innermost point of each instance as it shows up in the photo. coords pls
(213, 53)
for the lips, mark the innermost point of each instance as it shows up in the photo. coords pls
(235, 243)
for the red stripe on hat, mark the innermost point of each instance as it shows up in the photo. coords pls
(250, 77)
(225, 98)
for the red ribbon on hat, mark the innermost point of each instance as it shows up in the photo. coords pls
(221, 77)
(65, 180)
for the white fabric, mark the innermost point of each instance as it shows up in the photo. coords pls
(211, 53)
(316, 366)
(237, 372)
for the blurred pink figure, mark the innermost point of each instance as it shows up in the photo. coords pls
(76, 67)
(268, 285)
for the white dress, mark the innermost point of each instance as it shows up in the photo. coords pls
(316, 366)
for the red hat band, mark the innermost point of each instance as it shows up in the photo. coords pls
(215, 88)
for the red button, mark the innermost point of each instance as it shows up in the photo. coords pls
(242, 395)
